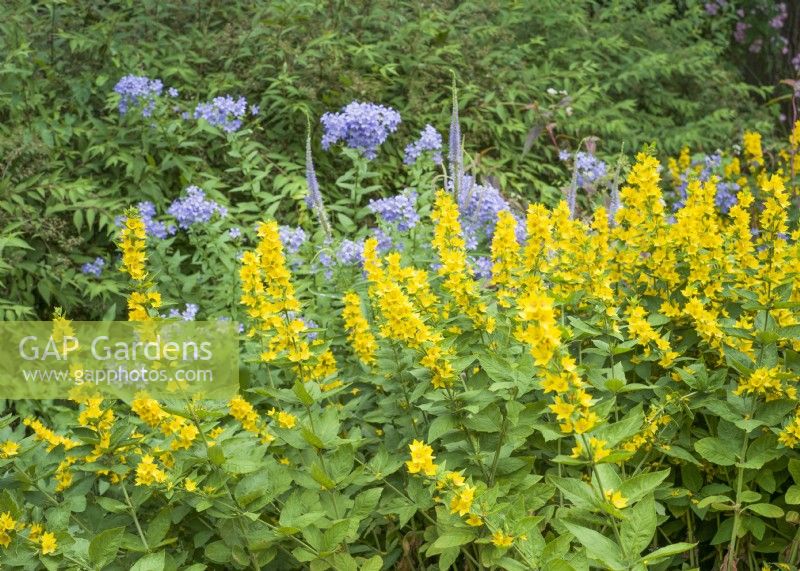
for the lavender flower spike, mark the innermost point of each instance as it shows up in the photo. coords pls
(314, 196)
(454, 152)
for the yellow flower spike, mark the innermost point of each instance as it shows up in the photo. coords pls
(459, 282)
(752, 148)
(132, 244)
(506, 257)
(358, 330)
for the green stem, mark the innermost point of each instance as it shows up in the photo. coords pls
(730, 565)
(135, 518)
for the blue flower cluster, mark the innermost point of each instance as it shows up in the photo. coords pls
(224, 112)
(727, 192)
(194, 208)
(136, 91)
(292, 238)
(429, 140)
(482, 266)
(94, 268)
(588, 168)
(155, 228)
(347, 253)
(385, 242)
(399, 211)
(350, 252)
(361, 126)
(235, 233)
(310, 324)
(479, 206)
(187, 314)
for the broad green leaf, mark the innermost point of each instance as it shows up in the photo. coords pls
(716, 451)
(598, 546)
(766, 510)
(104, 546)
(668, 551)
(639, 486)
(639, 525)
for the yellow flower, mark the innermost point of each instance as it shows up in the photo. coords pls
(244, 412)
(762, 382)
(7, 523)
(9, 449)
(147, 473)
(790, 435)
(185, 436)
(421, 459)
(148, 410)
(190, 485)
(501, 539)
(474, 520)
(752, 148)
(553, 382)
(286, 420)
(599, 449)
(49, 544)
(45, 434)
(616, 499)
(462, 500)
(35, 532)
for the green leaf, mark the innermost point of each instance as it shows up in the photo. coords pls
(159, 526)
(111, 505)
(639, 486)
(576, 491)
(598, 546)
(454, 537)
(705, 502)
(373, 564)
(793, 495)
(104, 546)
(794, 469)
(766, 510)
(440, 426)
(668, 551)
(151, 562)
(716, 451)
(216, 455)
(302, 394)
(639, 526)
